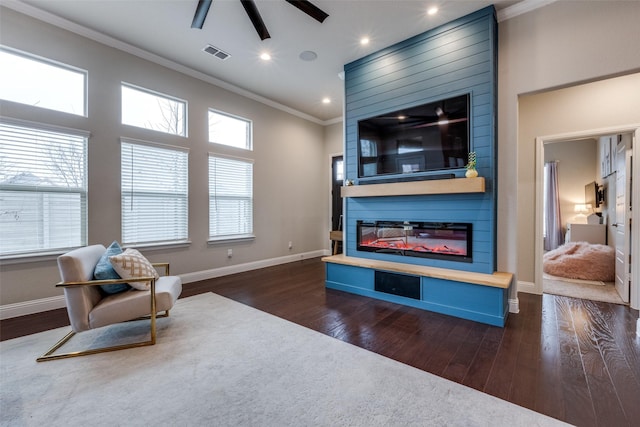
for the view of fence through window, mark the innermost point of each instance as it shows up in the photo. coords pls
(43, 189)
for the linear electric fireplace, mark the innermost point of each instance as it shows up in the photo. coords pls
(446, 241)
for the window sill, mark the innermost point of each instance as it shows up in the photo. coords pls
(32, 257)
(231, 239)
(53, 255)
(158, 246)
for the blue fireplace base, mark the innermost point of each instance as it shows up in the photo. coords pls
(459, 295)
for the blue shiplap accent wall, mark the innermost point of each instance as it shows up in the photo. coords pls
(454, 59)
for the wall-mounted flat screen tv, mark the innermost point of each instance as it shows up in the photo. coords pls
(593, 194)
(428, 137)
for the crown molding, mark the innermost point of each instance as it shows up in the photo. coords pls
(96, 36)
(521, 8)
(502, 15)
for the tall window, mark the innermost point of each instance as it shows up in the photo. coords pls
(42, 83)
(154, 186)
(230, 198)
(230, 130)
(151, 110)
(43, 188)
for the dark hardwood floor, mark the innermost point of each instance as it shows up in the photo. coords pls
(574, 360)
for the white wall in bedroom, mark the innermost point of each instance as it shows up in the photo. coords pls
(576, 168)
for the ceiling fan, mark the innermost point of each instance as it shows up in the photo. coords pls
(252, 12)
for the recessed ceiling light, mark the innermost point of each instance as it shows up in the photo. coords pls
(326, 100)
(432, 10)
(308, 55)
(364, 41)
(265, 56)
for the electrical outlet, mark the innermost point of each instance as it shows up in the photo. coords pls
(290, 245)
(229, 253)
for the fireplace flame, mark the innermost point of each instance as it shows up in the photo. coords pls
(403, 245)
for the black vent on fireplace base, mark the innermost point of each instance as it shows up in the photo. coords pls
(397, 284)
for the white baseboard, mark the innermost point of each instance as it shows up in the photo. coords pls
(255, 265)
(638, 327)
(51, 303)
(527, 287)
(30, 307)
(514, 305)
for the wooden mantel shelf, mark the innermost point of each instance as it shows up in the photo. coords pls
(436, 186)
(497, 279)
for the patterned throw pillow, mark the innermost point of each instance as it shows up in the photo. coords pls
(104, 270)
(132, 263)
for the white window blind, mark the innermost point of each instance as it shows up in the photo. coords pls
(230, 197)
(154, 185)
(43, 189)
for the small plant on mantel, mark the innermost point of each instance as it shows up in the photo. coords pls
(471, 166)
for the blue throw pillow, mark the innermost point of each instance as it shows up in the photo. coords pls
(104, 270)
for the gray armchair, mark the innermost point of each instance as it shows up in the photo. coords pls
(89, 308)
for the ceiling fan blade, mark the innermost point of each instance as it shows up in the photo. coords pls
(310, 9)
(201, 13)
(253, 14)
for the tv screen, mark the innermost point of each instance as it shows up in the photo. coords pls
(428, 137)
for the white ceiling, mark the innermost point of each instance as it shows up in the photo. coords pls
(163, 28)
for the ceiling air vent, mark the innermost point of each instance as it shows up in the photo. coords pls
(220, 54)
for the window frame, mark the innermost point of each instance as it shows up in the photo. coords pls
(249, 123)
(38, 254)
(185, 117)
(55, 64)
(223, 238)
(173, 242)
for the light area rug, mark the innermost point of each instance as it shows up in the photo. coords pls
(578, 281)
(583, 289)
(221, 363)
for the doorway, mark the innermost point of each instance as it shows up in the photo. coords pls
(576, 219)
(542, 143)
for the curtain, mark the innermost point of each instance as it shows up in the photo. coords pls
(552, 222)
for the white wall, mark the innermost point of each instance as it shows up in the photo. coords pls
(576, 168)
(563, 44)
(334, 140)
(289, 154)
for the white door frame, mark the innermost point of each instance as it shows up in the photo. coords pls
(621, 228)
(635, 191)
